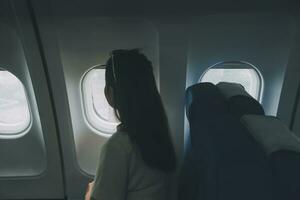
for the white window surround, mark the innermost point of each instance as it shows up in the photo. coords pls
(98, 114)
(15, 115)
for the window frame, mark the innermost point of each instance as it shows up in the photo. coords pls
(246, 65)
(96, 128)
(23, 132)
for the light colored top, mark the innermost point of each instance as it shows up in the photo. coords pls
(123, 175)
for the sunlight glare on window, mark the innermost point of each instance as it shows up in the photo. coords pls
(14, 109)
(101, 106)
(99, 114)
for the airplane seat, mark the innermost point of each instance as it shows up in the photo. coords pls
(239, 101)
(229, 89)
(191, 184)
(231, 165)
(193, 178)
(203, 94)
(241, 105)
(283, 150)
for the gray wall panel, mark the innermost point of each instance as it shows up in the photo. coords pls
(30, 165)
(260, 39)
(291, 80)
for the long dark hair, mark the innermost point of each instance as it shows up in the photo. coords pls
(139, 107)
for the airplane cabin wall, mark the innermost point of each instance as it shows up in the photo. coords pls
(80, 51)
(262, 40)
(27, 161)
(289, 107)
(30, 165)
(66, 43)
(70, 53)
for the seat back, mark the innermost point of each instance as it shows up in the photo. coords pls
(239, 101)
(283, 150)
(249, 157)
(193, 179)
(230, 163)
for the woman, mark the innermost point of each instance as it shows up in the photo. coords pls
(136, 160)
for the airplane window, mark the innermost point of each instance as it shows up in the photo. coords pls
(237, 72)
(100, 116)
(15, 116)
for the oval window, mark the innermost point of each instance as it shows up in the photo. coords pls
(236, 72)
(98, 113)
(15, 118)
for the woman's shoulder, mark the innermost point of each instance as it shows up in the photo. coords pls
(121, 141)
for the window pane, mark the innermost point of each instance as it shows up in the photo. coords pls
(99, 114)
(101, 106)
(246, 77)
(14, 110)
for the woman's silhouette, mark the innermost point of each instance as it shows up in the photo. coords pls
(135, 161)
